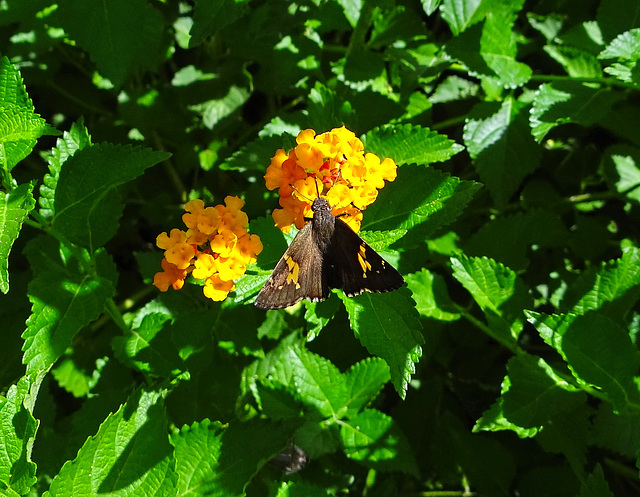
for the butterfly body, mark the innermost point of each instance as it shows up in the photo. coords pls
(326, 253)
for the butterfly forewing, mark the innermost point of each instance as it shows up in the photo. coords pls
(296, 276)
(353, 266)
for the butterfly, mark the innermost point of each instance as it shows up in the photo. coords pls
(326, 253)
(291, 460)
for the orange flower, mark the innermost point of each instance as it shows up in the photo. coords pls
(332, 165)
(215, 248)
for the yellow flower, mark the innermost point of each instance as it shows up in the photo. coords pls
(170, 277)
(216, 248)
(217, 289)
(332, 165)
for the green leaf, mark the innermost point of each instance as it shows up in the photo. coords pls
(409, 144)
(74, 379)
(148, 347)
(597, 350)
(255, 155)
(616, 432)
(460, 14)
(373, 439)
(87, 207)
(578, 63)
(388, 326)
(64, 299)
(318, 381)
(73, 140)
(622, 169)
(536, 393)
(595, 485)
(364, 381)
(213, 111)
(493, 419)
(17, 434)
(430, 293)
(626, 47)
(612, 289)
(20, 128)
(498, 291)
(502, 146)
(569, 102)
(498, 46)
(122, 37)
(14, 209)
(218, 460)
(133, 452)
(420, 200)
(327, 109)
(12, 89)
(211, 17)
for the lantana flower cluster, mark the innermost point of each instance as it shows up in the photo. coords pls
(333, 165)
(216, 248)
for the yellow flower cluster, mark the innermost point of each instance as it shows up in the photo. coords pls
(215, 248)
(332, 164)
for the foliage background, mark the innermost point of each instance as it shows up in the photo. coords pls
(507, 367)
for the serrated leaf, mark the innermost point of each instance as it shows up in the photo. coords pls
(569, 101)
(498, 291)
(255, 155)
(129, 455)
(625, 46)
(218, 460)
(373, 439)
(430, 293)
(64, 299)
(503, 150)
(498, 46)
(460, 14)
(595, 485)
(597, 350)
(274, 367)
(73, 140)
(622, 170)
(613, 288)
(364, 380)
(14, 209)
(408, 144)
(87, 207)
(213, 111)
(121, 37)
(616, 432)
(148, 347)
(536, 393)
(12, 89)
(493, 419)
(20, 128)
(319, 383)
(388, 326)
(17, 433)
(577, 62)
(420, 200)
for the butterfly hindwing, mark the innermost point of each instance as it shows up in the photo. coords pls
(296, 276)
(353, 266)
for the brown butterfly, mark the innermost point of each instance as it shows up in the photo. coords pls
(326, 253)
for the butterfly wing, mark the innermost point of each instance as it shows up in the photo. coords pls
(353, 266)
(296, 276)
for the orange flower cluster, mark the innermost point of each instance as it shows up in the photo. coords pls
(332, 164)
(215, 248)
